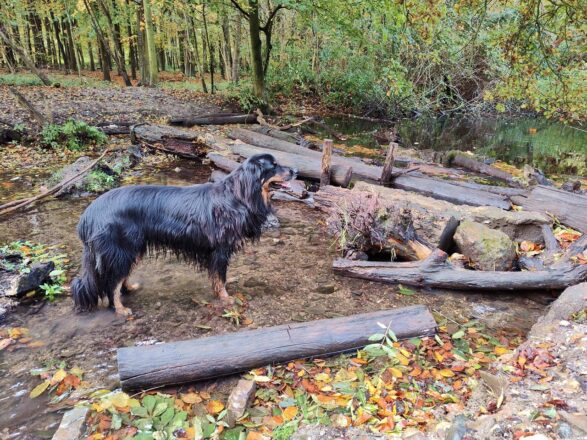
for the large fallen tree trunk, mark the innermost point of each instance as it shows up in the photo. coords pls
(170, 140)
(437, 272)
(436, 188)
(215, 356)
(569, 208)
(307, 167)
(216, 119)
(470, 163)
(283, 136)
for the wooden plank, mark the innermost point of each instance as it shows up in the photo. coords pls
(569, 208)
(215, 356)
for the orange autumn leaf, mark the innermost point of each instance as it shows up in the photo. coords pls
(252, 435)
(363, 417)
(290, 412)
(395, 372)
(214, 406)
(500, 350)
(457, 385)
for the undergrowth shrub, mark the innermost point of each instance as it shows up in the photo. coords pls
(73, 135)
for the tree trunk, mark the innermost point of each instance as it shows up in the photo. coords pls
(209, 46)
(132, 49)
(150, 45)
(309, 168)
(91, 54)
(256, 56)
(198, 359)
(236, 50)
(104, 61)
(141, 46)
(215, 119)
(24, 57)
(199, 61)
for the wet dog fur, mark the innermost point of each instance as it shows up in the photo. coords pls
(204, 224)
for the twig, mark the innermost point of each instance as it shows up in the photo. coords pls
(15, 205)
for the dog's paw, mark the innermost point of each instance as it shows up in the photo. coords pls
(124, 311)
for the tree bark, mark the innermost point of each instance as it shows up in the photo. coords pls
(151, 52)
(215, 119)
(326, 163)
(470, 163)
(307, 167)
(24, 57)
(236, 50)
(199, 359)
(256, 56)
(436, 272)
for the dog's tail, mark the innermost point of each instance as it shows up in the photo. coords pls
(86, 289)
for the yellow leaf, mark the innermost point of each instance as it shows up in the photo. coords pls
(447, 373)
(191, 398)
(290, 412)
(39, 389)
(133, 403)
(395, 372)
(214, 406)
(58, 376)
(77, 371)
(500, 350)
(438, 356)
(120, 400)
(402, 359)
(35, 344)
(323, 377)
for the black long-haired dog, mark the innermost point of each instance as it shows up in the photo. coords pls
(205, 224)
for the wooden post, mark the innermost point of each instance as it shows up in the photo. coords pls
(221, 355)
(387, 172)
(326, 161)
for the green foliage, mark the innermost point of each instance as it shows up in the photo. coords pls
(21, 255)
(245, 97)
(98, 181)
(73, 135)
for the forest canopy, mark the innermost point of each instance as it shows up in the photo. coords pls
(375, 58)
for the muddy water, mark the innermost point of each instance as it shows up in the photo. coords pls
(286, 277)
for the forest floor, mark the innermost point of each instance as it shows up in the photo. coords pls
(286, 277)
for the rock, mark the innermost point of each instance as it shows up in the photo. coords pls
(72, 425)
(14, 284)
(572, 186)
(321, 432)
(518, 225)
(326, 289)
(564, 430)
(6, 306)
(240, 397)
(38, 274)
(487, 248)
(537, 437)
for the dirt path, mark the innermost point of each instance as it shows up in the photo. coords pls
(93, 105)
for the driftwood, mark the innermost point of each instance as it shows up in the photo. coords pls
(283, 136)
(19, 204)
(36, 114)
(170, 140)
(216, 119)
(569, 208)
(472, 164)
(437, 272)
(216, 356)
(309, 168)
(436, 188)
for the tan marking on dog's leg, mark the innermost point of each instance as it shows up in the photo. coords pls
(131, 287)
(220, 290)
(118, 306)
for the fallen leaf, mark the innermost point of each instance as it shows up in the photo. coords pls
(290, 412)
(191, 398)
(214, 406)
(39, 389)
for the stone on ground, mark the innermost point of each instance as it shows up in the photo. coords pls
(487, 248)
(240, 397)
(72, 425)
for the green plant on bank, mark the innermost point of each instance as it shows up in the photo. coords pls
(73, 135)
(19, 256)
(98, 181)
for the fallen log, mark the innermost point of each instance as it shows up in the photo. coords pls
(170, 140)
(437, 272)
(439, 189)
(283, 136)
(307, 167)
(223, 162)
(206, 358)
(215, 119)
(115, 128)
(569, 208)
(472, 164)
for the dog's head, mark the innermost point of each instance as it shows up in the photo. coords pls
(268, 171)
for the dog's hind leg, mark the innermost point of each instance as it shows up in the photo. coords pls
(127, 286)
(118, 306)
(217, 270)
